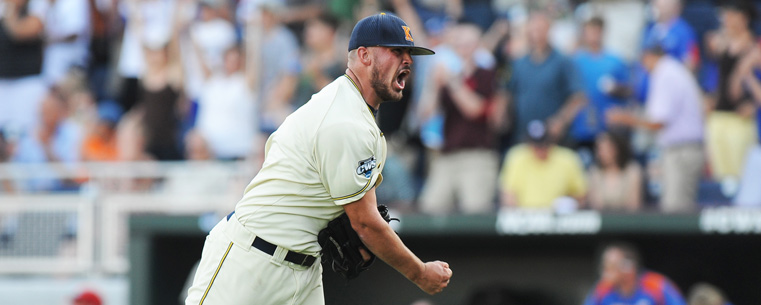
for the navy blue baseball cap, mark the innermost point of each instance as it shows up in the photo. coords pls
(384, 30)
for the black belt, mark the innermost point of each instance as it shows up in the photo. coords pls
(269, 248)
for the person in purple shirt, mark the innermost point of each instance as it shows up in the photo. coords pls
(674, 110)
(604, 76)
(673, 34)
(623, 281)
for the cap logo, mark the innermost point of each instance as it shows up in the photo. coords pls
(407, 35)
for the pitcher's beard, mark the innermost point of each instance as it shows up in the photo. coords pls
(383, 90)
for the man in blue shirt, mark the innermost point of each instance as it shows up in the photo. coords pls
(673, 34)
(604, 76)
(623, 282)
(544, 84)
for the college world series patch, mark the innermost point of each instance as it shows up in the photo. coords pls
(366, 167)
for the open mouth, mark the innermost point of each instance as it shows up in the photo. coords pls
(401, 79)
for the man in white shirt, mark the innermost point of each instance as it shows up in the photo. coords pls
(227, 114)
(210, 34)
(325, 159)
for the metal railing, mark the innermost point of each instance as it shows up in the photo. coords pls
(81, 228)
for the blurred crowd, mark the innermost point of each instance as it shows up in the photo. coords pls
(555, 104)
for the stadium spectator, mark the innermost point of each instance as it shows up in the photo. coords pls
(227, 109)
(673, 34)
(479, 12)
(56, 139)
(324, 59)
(130, 142)
(730, 126)
(196, 147)
(623, 280)
(105, 25)
(80, 101)
(143, 19)
(604, 76)
(427, 121)
(276, 61)
(160, 96)
(674, 110)
(101, 142)
(21, 55)
(130, 137)
(295, 12)
(67, 38)
(538, 173)
(544, 84)
(616, 177)
(706, 294)
(465, 172)
(204, 44)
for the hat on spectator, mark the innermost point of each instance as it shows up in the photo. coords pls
(536, 132)
(384, 30)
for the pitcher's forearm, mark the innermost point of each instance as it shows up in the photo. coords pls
(384, 243)
(379, 238)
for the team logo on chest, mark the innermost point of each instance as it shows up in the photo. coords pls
(366, 167)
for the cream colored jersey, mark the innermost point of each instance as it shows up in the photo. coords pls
(326, 154)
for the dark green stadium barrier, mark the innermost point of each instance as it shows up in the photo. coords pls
(547, 259)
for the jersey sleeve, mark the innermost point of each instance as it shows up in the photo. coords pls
(597, 294)
(591, 299)
(671, 295)
(346, 161)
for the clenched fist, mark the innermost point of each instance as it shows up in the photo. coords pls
(435, 277)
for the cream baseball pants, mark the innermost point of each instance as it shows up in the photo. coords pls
(232, 272)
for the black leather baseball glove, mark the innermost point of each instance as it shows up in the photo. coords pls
(340, 246)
